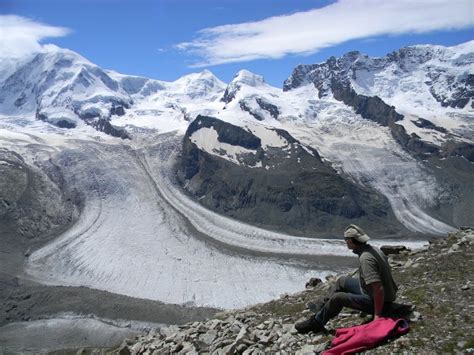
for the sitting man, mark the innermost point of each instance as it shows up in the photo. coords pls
(370, 293)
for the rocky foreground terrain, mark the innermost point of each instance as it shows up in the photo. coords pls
(437, 281)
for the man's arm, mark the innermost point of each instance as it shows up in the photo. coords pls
(378, 295)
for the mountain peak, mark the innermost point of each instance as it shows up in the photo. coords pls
(55, 54)
(242, 78)
(202, 75)
(201, 84)
(248, 78)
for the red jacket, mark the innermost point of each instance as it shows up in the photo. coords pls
(366, 336)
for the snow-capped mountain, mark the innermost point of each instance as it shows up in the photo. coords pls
(62, 88)
(414, 103)
(218, 184)
(266, 176)
(431, 86)
(168, 106)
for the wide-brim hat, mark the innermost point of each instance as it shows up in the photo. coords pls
(357, 233)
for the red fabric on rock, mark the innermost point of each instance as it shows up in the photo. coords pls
(366, 336)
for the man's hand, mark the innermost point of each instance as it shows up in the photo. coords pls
(378, 295)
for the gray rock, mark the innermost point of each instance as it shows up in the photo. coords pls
(229, 349)
(213, 324)
(177, 348)
(188, 349)
(264, 339)
(393, 249)
(319, 348)
(453, 248)
(167, 331)
(306, 350)
(124, 350)
(313, 282)
(136, 348)
(416, 317)
(208, 337)
(242, 334)
(236, 327)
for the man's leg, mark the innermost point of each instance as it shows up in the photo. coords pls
(343, 284)
(348, 284)
(339, 300)
(346, 293)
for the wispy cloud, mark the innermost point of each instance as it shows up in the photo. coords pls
(310, 31)
(21, 35)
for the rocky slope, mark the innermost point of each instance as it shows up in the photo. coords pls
(35, 202)
(268, 178)
(436, 281)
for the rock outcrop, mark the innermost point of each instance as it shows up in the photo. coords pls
(35, 202)
(287, 188)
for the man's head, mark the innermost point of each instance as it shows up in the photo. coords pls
(355, 236)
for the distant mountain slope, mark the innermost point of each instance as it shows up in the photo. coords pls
(423, 93)
(267, 177)
(63, 88)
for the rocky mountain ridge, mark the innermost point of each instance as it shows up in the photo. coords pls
(273, 181)
(375, 88)
(450, 81)
(436, 283)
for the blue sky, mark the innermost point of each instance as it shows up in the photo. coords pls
(163, 39)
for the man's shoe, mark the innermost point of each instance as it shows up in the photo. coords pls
(309, 325)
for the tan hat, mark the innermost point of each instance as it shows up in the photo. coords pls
(357, 233)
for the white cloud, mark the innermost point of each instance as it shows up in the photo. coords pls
(20, 35)
(307, 32)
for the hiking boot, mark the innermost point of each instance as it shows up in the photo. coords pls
(309, 325)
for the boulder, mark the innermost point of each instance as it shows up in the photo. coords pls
(393, 249)
(313, 282)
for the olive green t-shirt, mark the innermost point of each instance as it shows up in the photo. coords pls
(373, 267)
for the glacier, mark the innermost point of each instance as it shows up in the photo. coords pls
(141, 236)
